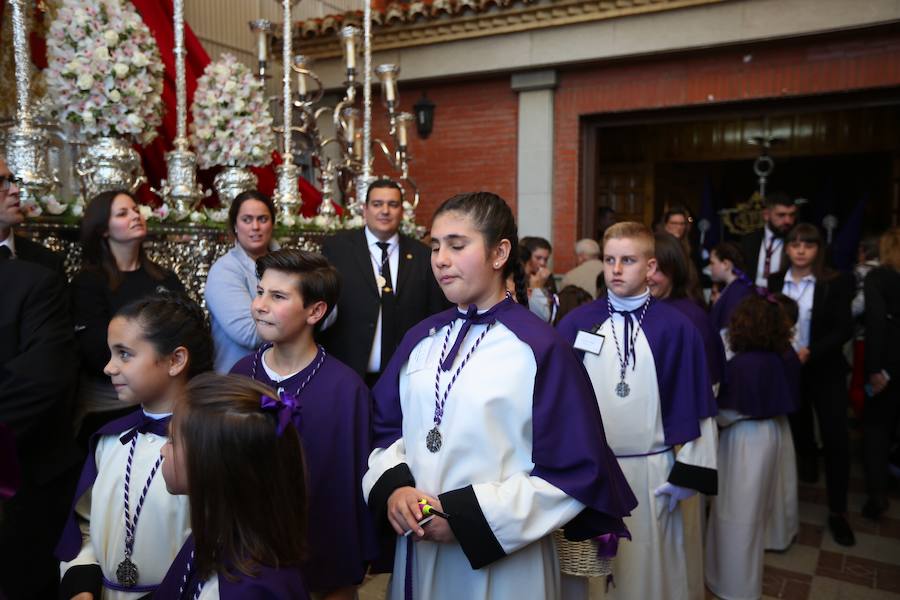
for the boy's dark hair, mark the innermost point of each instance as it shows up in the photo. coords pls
(570, 298)
(809, 233)
(494, 219)
(383, 183)
(247, 484)
(774, 199)
(319, 280)
(789, 306)
(731, 252)
(536, 243)
(170, 320)
(759, 325)
(235, 207)
(672, 260)
(95, 246)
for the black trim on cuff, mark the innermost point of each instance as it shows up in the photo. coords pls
(81, 578)
(702, 479)
(471, 527)
(395, 477)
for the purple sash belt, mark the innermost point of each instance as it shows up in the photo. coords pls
(121, 588)
(664, 450)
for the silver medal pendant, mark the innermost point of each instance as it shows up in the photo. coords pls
(433, 440)
(127, 573)
(622, 389)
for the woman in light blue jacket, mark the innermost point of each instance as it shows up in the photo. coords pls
(231, 285)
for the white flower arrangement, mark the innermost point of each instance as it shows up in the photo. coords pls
(104, 70)
(232, 125)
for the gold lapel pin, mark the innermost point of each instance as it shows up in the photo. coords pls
(409, 257)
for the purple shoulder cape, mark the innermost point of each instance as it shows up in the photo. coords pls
(267, 584)
(712, 341)
(758, 385)
(569, 446)
(70, 542)
(685, 388)
(729, 299)
(336, 436)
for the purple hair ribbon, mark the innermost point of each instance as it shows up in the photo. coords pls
(286, 407)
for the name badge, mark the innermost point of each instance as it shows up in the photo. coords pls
(589, 342)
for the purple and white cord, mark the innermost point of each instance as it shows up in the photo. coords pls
(131, 522)
(258, 357)
(186, 576)
(438, 402)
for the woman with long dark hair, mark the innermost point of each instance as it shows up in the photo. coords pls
(115, 271)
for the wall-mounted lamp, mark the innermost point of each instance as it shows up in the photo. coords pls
(424, 110)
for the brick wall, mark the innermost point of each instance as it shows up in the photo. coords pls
(852, 61)
(472, 147)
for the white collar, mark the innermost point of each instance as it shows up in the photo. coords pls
(371, 240)
(628, 303)
(156, 416)
(10, 241)
(789, 277)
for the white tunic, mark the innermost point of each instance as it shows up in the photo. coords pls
(653, 563)
(487, 443)
(783, 521)
(736, 533)
(164, 522)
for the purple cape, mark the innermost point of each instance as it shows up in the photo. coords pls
(569, 447)
(70, 542)
(758, 385)
(269, 582)
(712, 341)
(336, 437)
(685, 389)
(728, 300)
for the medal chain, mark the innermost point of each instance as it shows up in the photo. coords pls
(131, 522)
(186, 576)
(438, 402)
(623, 363)
(258, 356)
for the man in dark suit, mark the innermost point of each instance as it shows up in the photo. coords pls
(38, 375)
(11, 215)
(387, 285)
(762, 249)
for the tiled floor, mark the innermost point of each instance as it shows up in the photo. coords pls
(814, 567)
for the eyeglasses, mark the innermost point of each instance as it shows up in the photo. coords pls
(7, 180)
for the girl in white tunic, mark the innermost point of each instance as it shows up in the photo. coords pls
(125, 528)
(648, 367)
(485, 413)
(756, 391)
(235, 450)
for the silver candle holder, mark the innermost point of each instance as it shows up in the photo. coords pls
(180, 189)
(26, 144)
(287, 195)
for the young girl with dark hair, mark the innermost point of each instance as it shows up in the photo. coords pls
(234, 449)
(157, 345)
(824, 325)
(726, 264)
(755, 393)
(485, 414)
(115, 271)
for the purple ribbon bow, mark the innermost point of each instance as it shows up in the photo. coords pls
(286, 407)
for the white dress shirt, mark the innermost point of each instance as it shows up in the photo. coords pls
(774, 262)
(374, 365)
(10, 241)
(802, 292)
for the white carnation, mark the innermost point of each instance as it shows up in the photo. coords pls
(111, 37)
(120, 69)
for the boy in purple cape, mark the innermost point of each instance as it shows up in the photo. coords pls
(648, 366)
(234, 450)
(485, 413)
(296, 291)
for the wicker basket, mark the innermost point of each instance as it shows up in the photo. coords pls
(580, 558)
